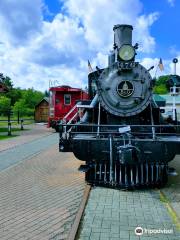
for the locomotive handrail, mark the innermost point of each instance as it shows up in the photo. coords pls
(73, 117)
(138, 133)
(125, 125)
(163, 139)
(72, 109)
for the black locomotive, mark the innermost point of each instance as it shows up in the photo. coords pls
(122, 136)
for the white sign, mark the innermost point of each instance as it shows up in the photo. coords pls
(124, 129)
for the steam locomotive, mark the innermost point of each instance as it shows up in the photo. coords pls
(122, 136)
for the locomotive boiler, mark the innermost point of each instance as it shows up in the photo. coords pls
(122, 136)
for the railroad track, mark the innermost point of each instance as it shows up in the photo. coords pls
(73, 233)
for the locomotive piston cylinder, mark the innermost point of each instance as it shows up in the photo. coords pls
(122, 34)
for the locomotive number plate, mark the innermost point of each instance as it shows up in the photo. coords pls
(127, 65)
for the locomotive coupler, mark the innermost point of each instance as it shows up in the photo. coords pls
(128, 154)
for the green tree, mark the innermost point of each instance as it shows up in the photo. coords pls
(161, 89)
(22, 108)
(162, 80)
(14, 94)
(160, 85)
(6, 80)
(5, 105)
(32, 97)
(46, 93)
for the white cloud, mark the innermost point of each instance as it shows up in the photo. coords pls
(171, 2)
(33, 50)
(143, 37)
(168, 66)
(20, 20)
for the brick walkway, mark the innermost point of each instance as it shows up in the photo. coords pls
(36, 131)
(172, 190)
(27, 150)
(114, 214)
(39, 197)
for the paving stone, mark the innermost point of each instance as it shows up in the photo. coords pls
(35, 131)
(120, 220)
(39, 197)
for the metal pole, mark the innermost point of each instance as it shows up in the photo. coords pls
(99, 119)
(174, 103)
(175, 61)
(22, 126)
(174, 68)
(111, 160)
(18, 116)
(152, 122)
(9, 116)
(9, 128)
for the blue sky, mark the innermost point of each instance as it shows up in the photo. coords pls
(166, 28)
(44, 40)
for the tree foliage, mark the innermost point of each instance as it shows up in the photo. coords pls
(5, 105)
(32, 97)
(160, 85)
(21, 100)
(7, 81)
(21, 108)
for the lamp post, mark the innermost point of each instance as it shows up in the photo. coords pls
(174, 90)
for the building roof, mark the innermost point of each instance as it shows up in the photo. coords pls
(44, 99)
(158, 97)
(159, 100)
(169, 98)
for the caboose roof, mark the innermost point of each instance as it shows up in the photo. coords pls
(65, 89)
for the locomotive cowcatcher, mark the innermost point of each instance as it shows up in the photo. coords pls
(122, 136)
(62, 100)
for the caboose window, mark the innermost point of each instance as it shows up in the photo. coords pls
(67, 99)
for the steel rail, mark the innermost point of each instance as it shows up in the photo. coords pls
(75, 226)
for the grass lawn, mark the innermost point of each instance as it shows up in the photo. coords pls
(4, 129)
(15, 124)
(28, 120)
(15, 127)
(6, 137)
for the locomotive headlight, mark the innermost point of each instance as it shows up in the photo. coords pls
(126, 52)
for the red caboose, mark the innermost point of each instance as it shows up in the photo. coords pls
(62, 104)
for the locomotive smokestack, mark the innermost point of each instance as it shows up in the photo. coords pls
(122, 34)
